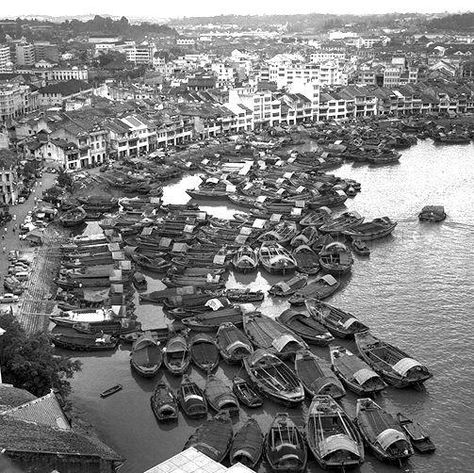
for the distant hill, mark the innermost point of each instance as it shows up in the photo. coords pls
(459, 22)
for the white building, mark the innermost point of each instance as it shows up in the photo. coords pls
(5, 61)
(142, 54)
(25, 54)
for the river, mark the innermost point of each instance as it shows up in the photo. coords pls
(415, 290)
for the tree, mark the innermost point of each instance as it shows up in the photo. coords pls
(29, 362)
(64, 180)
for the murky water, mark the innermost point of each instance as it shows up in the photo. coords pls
(415, 290)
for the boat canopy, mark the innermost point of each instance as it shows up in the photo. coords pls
(246, 259)
(281, 342)
(335, 246)
(214, 304)
(389, 437)
(404, 365)
(277, 259)
(193, 397)
(95, 295)
(238, 344)
(329, 279)
(349, 322)
(363, 375)
(176, 346)
(283, 286)
(338, 442)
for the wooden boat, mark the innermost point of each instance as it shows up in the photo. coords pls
(275, 259)
(204, 352)
(245, 260)
(111, 390)
(157, 334)
(247, 445)
(316, 218)
(307, 237)
(384, 157)
(176, 355)
(191, 398)
(211, 320)
(244, 392)
(164, 404)
(340, 323)
(74, 217)
(288, 287)
(146, 356)
(321, 288)
(233, 344)
(84, 342)
(139, 281)
(393, 364)
(377, 228)
(344, 221)
(382, 432)
(204, 282)
(154, 264)
(90, 316)
(306, 259)
(285, 446)
(213, 437)
(282, 233)
(273, 378)
(329, 199)
(432, 213)
(306, 326)
(220, 396)
(332, 437)
(360, 248)
(336, 258)
(316, 376)
(267, 333)
(244, 295)
(418, 437)
(355, 373)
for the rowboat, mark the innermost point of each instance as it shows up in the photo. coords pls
(316, 376)
(382, 432)
(306, 326)
(245, 260)
(306, 259)
(377, 228)
(355, 373)
(111, 390)
(342, 222)
(332, 437)
(191, 398)
(360, 248)
(163, 403)
(247, 445)
(204, 352)
(316, 218)
(432, 213)
(415, 432)
(340, 323)
(285, 446)
(220, 396)
(307, 237)
(244, 295)
(267, 333)
(282, 233)
(336, 258)
(273, 378)
(176, 355)
(233, 344)
(213, 437)
(211, 320)
(244, 392)
(275, 259)
(288, 287)
(322, 287)
(146, 356)
(393, 364)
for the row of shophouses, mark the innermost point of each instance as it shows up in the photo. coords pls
(75, 140)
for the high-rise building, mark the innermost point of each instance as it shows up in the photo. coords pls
(4, 58)
(25, 54)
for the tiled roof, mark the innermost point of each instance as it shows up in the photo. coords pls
(11, 397)
(69, 87)
(44, 410)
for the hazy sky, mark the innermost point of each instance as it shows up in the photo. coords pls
(170, 8)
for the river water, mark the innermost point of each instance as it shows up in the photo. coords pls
(415, 290)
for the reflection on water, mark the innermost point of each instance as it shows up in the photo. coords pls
(415, 290)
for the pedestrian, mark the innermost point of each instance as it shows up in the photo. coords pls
(4, 249)
(6, 229)
(14, 217)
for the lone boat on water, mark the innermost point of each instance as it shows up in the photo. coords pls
(393, 364)
(417, 435)
(213, 437)
(111, 390)
(355, 373)
(285, 446)
(382, 432)
(332, 437)
(322, 287)
(273, 378)
(316, 376)
(432, 213)
(336, 258)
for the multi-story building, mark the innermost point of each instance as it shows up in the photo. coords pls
(16, 100)
(327, 55)
(44, 50)
(56, 94)
(5, 60)
(57, 74)
(25, 54)
(8, 185)
(141, 55)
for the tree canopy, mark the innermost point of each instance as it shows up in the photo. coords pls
(29, 361)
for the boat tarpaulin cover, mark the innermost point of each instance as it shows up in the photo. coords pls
(338, 442)
(389, 437)
(96, 295)
(329, 279)
(363, 375)
(404, 365)
(349, 322)
(281, 342)
(214, 304)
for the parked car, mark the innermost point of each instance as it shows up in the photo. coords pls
(8, 298)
